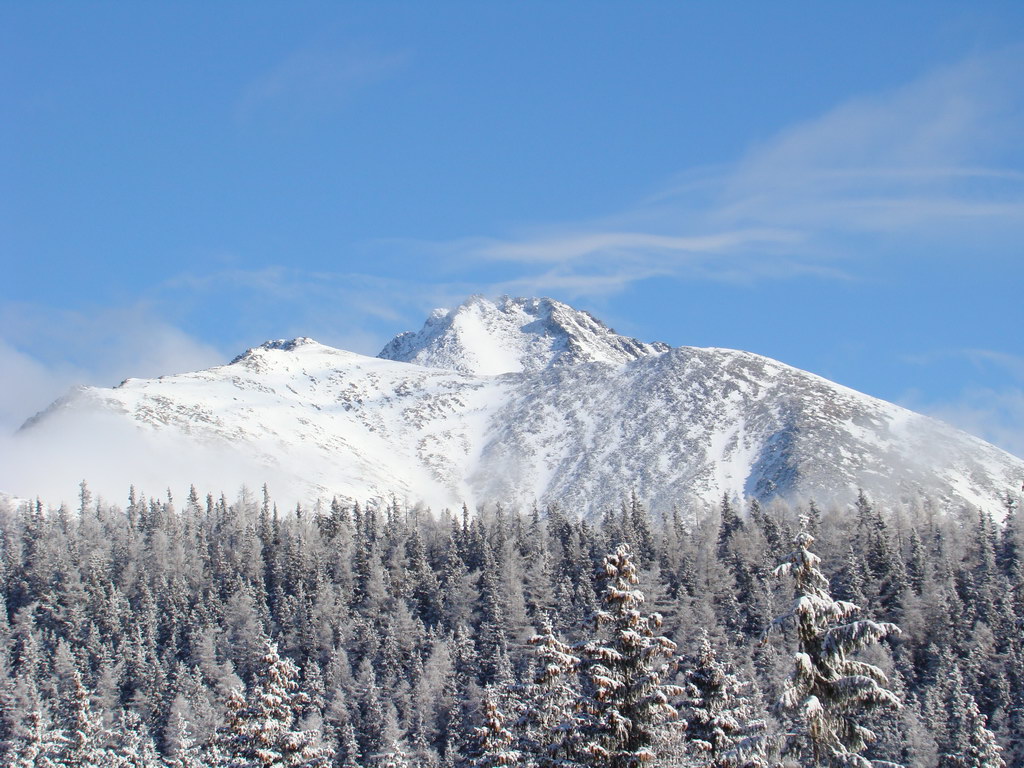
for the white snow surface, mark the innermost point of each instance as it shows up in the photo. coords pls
(518, 401)
(513, 335)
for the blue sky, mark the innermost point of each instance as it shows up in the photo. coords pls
(836, 185)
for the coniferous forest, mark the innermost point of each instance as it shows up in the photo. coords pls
(206, 632)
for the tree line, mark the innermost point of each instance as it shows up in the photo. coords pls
(216, 633)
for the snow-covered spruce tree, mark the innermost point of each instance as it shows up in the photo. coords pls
(625, 703)
(260, 727)
(133, 745)
(550, 701)
(393, 753)
(492, 639)
(186, 752)
(82, 734)
(721, 728)
(828, 691)
(24, 723)
(494, 741)
(981, 750)
(348, 753)
(968, 743)
(36, 747)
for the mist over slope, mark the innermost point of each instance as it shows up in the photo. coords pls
(520, 401)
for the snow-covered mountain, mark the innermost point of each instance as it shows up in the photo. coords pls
(518, 401)
(512, 336)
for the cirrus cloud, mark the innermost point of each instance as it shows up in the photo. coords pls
(933, 164)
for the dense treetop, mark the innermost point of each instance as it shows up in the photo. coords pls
(206, 632)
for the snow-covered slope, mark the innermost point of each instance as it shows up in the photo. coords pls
(511, 336)
(519, 401)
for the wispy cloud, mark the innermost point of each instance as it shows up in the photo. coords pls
(994, 412)
(588, 244)
(28, 385)
(571, 284)
(931, 150)
(44, 352)
(353, 310)
(934, 162)
(1009, 365)
(933, 165)
(311, 81)
(996, 415)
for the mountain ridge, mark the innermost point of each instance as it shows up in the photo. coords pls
(513, 335)
(569, 413)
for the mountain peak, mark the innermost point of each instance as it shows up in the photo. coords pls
(513, 335)
(286, 345)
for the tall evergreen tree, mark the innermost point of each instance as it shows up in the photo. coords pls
(492, 636)
(967, 742)
(982, 750)
(828, 690)
(625, 700)
(260, 727)
(721, 727)
(83, 738)
(549, 715)
(728, 528)
(494, 745)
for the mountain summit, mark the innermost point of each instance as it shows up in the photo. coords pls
(513, 335)
(519, 401)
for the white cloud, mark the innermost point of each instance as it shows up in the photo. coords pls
(1010, 363)
(45, 352)
(337, 308)
(935, 162)
(51, 459)
(1006, 364)
(994, 412)
(930, 151)
(27, 385)
(570, 284)
(930, 165)
(313, 80)
(995, 415)
(561, 248)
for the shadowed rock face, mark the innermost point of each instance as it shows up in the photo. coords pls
(521, 401)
